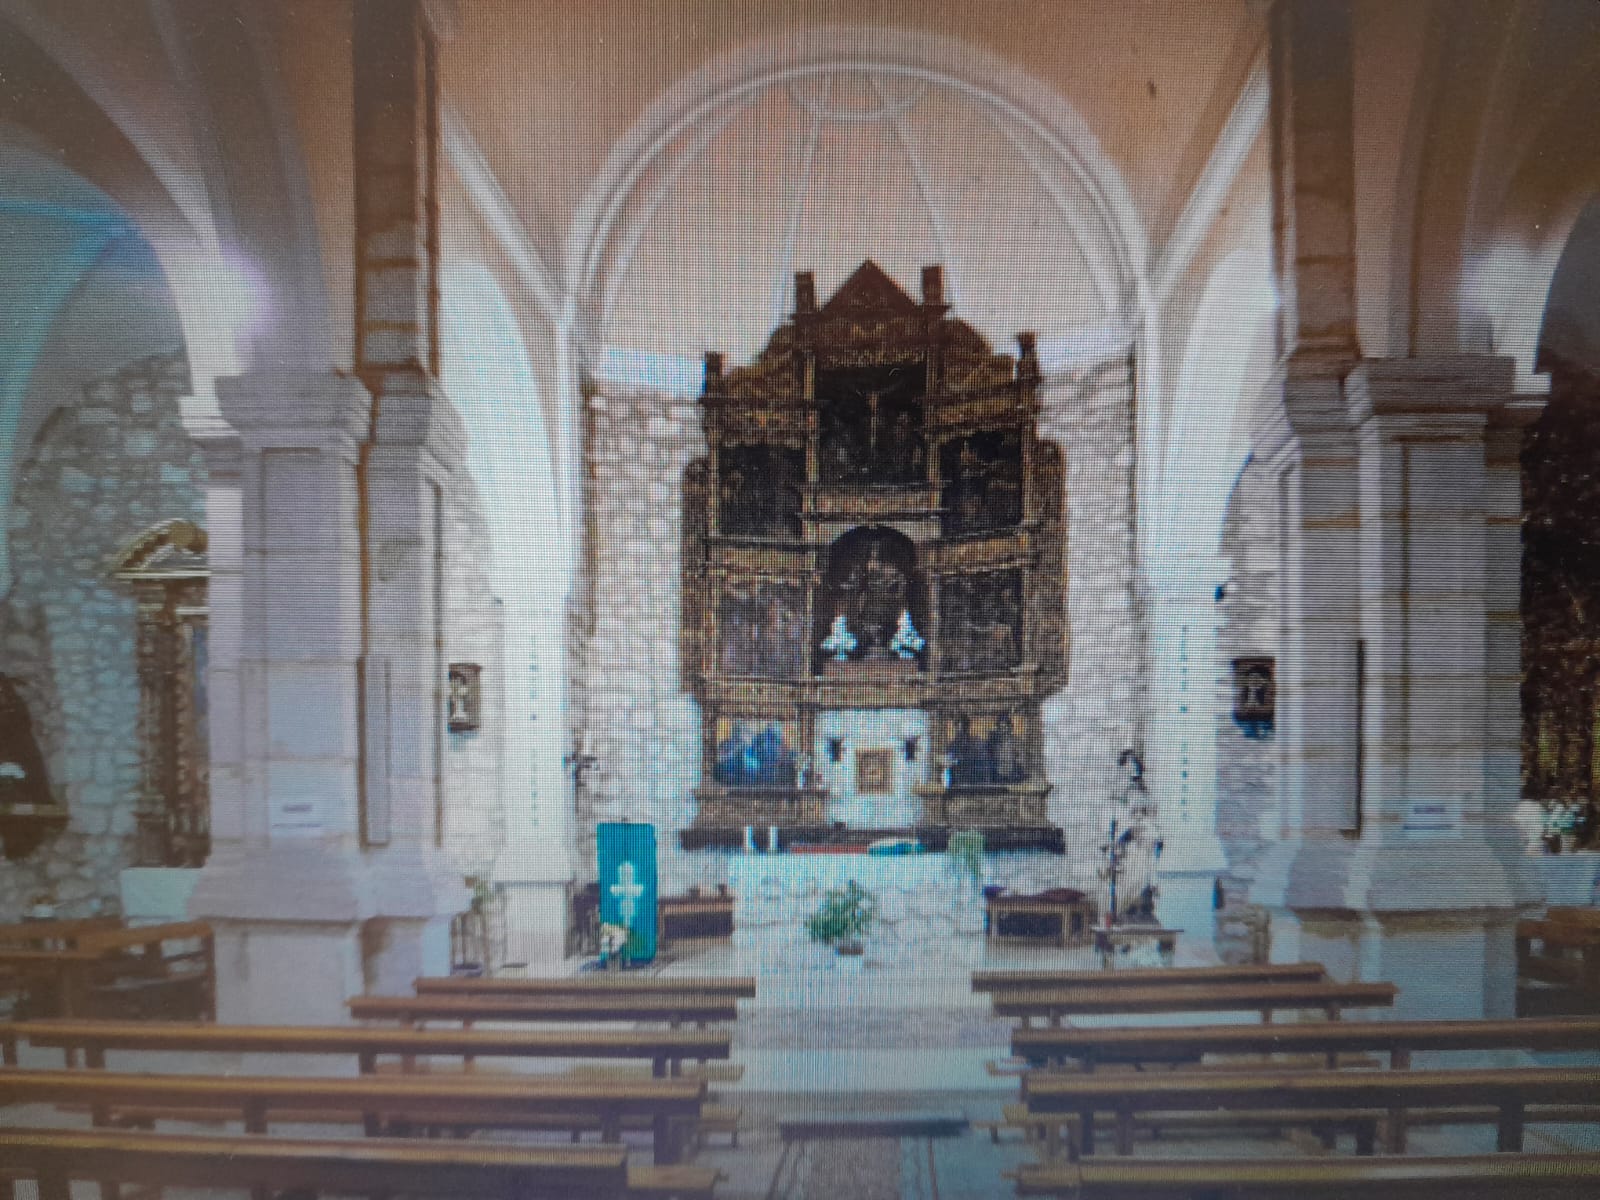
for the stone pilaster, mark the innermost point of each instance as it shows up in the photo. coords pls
(1313, 455)
(306, 908)
(418, 444)
(1182, 746)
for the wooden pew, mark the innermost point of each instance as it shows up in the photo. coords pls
(1574, 914)
(598, 984)
(1505, 1094)
(1467, 1177)
(393, 1102)
(377, 1167)
(1016, 981)
(1265, 998)
(1398, 1039)
(147, 970)
(674, 1010)
(54, 935)
(664, 1049)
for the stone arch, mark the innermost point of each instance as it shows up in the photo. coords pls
(1085, 184)
(237, 240)
(988, 79)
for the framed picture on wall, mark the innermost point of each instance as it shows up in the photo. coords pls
(874, 772)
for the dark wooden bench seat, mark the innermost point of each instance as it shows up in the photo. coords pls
(371, 1167)
(54, 935)
(382, 1104)
(674, 1010)
(1047, 1130)
(664, 1049)
(1468, 1177)
(622, 983)
(1507, 1094)
(1013, 981)
(1266, 998)
(1090, 1048)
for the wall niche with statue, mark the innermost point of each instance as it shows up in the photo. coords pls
(874, 577)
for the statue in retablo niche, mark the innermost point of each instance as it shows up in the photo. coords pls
(876, 592)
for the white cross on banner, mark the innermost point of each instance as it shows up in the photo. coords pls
(627, 890)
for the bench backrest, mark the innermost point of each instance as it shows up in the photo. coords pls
(371, 1166)
(1003, 981)
(53, 935)
(93, 1038)
(1403, 1178)
(1268, 997)
(1183, 1043)
(675, 1009)
(135, 936)
(741, 986)
(1571, 914)
(256, 1099)
(1331, 1089)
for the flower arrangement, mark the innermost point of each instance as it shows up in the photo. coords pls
(844, 915)
(613, 939)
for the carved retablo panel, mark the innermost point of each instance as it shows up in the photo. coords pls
(876, 528)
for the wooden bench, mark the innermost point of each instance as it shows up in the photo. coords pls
(271, 1166)
(53, 935)
(151, 971)
(1016, 981)
(1474, 1096)
(154, 970)
(1468, 1177)
(624, 983)
(395, 1103)
(683, 918)
(1046, 1131)
(673, 1010)
(1089, 1048)
(664, 1049)
(1265, 998)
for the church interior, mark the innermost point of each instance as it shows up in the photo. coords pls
(831, 599)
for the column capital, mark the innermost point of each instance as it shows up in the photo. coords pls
(296, 408)
(1462, 386)
(413, 410)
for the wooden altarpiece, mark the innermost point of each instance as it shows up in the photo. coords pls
(877, 525)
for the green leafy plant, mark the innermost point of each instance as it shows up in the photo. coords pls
(965, 851)
(844, 915)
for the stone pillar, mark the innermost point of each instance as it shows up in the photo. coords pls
(1182, 747)
(284, 885)
(1435, 877)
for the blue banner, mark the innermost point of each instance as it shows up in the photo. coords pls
(627, 863)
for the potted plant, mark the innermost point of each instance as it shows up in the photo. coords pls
(965, 852)
(843, 918)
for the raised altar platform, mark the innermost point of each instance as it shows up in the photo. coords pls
(820, 837)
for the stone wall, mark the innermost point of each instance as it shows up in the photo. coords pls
(642, 727)
(1101, 711)
(474, 809)
(645, 731)
(1247, 783)
(99, 472)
